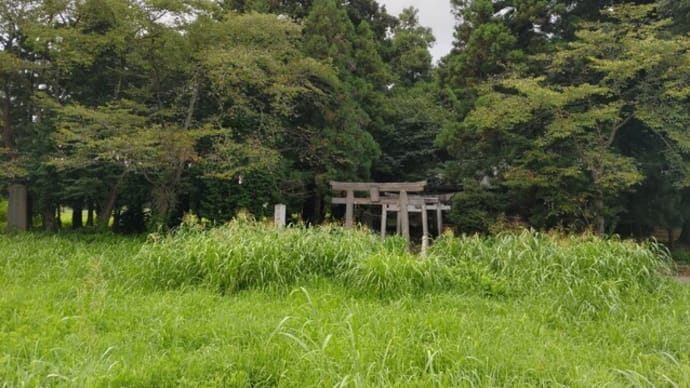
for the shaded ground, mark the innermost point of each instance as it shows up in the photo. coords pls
(683, 272)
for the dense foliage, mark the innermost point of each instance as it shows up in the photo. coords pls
(248, 305)
(147, 109)
(557, 114)
(569, 114)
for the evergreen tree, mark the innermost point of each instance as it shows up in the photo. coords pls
(559, 138)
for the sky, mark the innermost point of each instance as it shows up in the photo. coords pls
(432, 13)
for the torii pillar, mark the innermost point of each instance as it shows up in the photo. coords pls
(375, 190)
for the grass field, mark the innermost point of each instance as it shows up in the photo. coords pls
(247, 305)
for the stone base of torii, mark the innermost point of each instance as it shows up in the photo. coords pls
(392, 197)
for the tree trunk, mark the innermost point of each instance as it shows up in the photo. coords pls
(29, 210)
(117, 216)
(669, 234)
(48, 219)
(192, 104)
(19, 212)
(89, 215)
(163, 208)
(684, 237)
(318, 204)
(599, 220)
(106, 208)
(77, 222)
(18, 208)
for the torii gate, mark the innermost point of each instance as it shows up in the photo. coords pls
(395, 198)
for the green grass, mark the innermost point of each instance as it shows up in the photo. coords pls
(247, 305)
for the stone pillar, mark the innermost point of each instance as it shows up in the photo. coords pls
(384, 220)
(425, 230)
(279, 215)
(404, 215)
(349, 209)
(18, 212)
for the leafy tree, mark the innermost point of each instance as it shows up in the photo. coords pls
(560, 137)
(409, 152)
(373, 14)
(410, 56)
(484, 45)
(679, 12)
(328, 34)
(24, 126)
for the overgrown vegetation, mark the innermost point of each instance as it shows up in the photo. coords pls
(245, 255)
(245, 304)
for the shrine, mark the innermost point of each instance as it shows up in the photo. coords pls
(392, 197)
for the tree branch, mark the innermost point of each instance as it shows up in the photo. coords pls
(192, 103)
(616, 128)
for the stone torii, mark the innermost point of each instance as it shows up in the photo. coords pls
(391, 196)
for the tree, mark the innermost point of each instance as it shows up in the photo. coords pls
(412, 115)
(563, 137)
(679, 12)
(24, 126)
(282, 103)
(328, 34)
(410, 56)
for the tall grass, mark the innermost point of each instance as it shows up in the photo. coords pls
(243, 255)
(587, 273)
(200, 308)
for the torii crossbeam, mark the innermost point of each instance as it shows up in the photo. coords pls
(391, 196)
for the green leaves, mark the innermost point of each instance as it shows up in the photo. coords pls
(576, 125)
(10, 63)
(496, 111)
(107, 133)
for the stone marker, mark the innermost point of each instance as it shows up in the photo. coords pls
(17, 213)
(279, 215)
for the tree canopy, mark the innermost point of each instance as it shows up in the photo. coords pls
(567, 129)
(555, 114)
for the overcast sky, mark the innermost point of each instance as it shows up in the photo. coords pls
(432, 13)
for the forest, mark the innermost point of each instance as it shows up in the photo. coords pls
(562, 114)
(559, 126)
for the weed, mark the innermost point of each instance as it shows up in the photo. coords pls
(249, 305)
